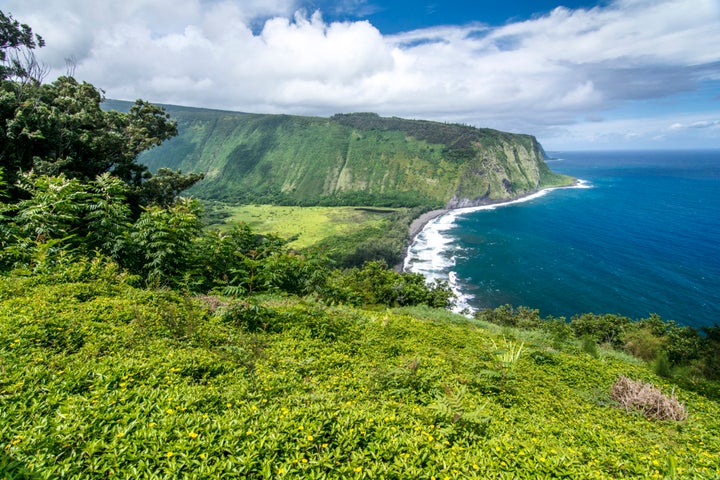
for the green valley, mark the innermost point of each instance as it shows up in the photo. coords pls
(141, 337)
(348, 159)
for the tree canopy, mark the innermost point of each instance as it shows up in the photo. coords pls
(16, 44)
(60, 128)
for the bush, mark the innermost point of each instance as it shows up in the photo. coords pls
(558, 329)
(643, 343)
(649, 400)
(589, 346)
(603, 328)
(375, 284)
(509, 316)
(661, 366)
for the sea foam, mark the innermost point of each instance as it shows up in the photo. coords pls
(433, 251)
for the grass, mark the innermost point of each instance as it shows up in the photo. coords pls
(308, 225)
(101, 379)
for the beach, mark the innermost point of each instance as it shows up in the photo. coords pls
(419, 223)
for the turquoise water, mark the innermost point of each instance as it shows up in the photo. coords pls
(642, 237)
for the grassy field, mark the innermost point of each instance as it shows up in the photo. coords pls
(309, 225)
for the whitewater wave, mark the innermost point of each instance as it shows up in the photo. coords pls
(432, 252)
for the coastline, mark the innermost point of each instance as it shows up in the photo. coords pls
(416, 227)
(419, 224)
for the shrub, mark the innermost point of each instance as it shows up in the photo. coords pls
(661, 366)
(648, 399)
(589, 346)
(509, 316)
(558, 329)
(603, 328)
(683, 344)
(643, 343)
(375, 284)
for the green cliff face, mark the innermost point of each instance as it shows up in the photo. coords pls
(354, 159)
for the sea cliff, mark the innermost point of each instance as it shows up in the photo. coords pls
(350, 159)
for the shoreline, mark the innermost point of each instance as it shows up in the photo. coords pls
(419, 224)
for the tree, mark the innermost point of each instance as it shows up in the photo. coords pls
(163, 187)
(16, 44)
(60, 128)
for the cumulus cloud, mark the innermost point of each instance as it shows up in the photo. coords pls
(539, 75)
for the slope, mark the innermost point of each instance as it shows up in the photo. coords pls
(349, 159)
(103, 379)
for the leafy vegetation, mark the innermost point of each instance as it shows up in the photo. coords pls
(59, 128)
(101, 378)
(136, 343)
(357, 159)
(675, 351)
(348, 236)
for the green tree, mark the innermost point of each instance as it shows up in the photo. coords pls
(60, 128)
(16, 44)
(163, 187)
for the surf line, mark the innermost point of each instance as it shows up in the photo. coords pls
(429, 243)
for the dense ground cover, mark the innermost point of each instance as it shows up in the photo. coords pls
(101, 378)
(308, 226)
(134, 343)
(350, 236)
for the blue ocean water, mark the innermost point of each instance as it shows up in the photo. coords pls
(642, 237)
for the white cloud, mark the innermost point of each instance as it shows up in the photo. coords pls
(658, 132)
(538, 76)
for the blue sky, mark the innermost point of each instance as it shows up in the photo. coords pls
(615, 74)
(398, 16)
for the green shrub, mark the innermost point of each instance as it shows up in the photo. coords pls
(509, 316)
(603, 328)
(559, 330)
(661, 365)
(643, 343)
(375, 284)
(589, 345)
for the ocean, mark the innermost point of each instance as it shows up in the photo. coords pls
(640, 234)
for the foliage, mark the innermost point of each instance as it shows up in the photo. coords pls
(509, 316)
(346, 160)
(59, 128)
(602, 328)
(349, 236)
(375, 284)
(161, 242)
(102, 378)
(16, 44)
(674, 351)
(165, 186)
(589, 346)
(61, 214)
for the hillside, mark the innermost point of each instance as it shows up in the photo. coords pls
(105, 380)
(348, 159)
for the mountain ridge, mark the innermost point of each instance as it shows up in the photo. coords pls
(349, 159)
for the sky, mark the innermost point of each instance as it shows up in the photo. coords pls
(579, 75)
